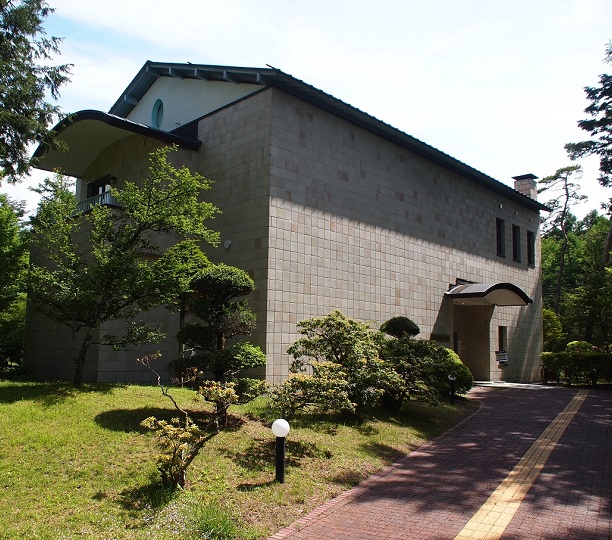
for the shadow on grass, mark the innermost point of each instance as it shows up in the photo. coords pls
(250, 487)
(387, 453)
(128, 420)
(48, 393)
(261, 453)
(349, 478)
(153, 495)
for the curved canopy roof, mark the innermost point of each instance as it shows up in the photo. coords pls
(87, 133)
(483, 294)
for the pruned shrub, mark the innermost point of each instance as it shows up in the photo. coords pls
(400, 327)
(422, 367)
(577, 367)
(326, 390)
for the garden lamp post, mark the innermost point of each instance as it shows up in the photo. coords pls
(280, 428)
(452, 378)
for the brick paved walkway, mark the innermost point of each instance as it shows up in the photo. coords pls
(564, 493)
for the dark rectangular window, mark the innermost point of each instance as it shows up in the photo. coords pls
(502, 338)
(516, 243)
(500, 229)
(530, 248)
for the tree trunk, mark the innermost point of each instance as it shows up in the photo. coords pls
(181, 344)
(80, 359)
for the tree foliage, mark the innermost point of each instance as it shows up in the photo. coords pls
(554, 337)
(13, 275)
(599, 126)
(400, 327)
(564, 193)
(423, 368)
(111, 264)
(586, 293)
(25, 80)
(348, 343)
(588, 313)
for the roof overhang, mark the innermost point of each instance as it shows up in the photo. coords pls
(87, 133)
(486, 294)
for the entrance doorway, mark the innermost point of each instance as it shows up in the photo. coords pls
(471, 338)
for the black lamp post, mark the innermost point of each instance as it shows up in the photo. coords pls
(452, 378)
(280, 428)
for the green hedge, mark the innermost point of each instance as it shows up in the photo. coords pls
(576, 367)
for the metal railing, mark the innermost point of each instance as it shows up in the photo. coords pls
(105, 199)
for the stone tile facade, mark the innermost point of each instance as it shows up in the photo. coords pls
(325, 214)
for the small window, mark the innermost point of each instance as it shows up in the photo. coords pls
(99, 186)
(502, 338)
(157, 114)
(501, 237)
(530, 248)
(516, 243)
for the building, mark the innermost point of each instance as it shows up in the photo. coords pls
(326, 207)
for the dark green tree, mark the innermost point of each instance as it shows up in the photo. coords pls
(400, 327)
(26, 78)
(599, 126)
(423, 368)
(111, 264)
(564, 194)
(215, 298)
(589, 307)
(554, 338)
(13, 276)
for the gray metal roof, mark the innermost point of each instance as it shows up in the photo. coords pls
(278, 79)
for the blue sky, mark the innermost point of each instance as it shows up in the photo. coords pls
(495, 84)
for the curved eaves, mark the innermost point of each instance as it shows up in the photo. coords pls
(88, 133)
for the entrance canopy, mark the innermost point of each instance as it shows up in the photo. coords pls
(486, 294)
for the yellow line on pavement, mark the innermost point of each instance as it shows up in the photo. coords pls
(491, 520)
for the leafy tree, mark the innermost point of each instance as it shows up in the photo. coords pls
(565, 193)
(552, 245)
(179, 268)
(25, 80)
(589, 307)
(352, 345)
(13, 252)
(599, 126)
(111, 264)
(13, 274)
(553, 331)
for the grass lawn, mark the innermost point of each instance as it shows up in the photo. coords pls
(77, 464)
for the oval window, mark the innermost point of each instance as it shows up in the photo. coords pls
(157, 114)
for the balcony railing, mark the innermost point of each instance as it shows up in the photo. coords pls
(105, 199)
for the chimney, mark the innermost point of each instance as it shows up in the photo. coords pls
(526, 184)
